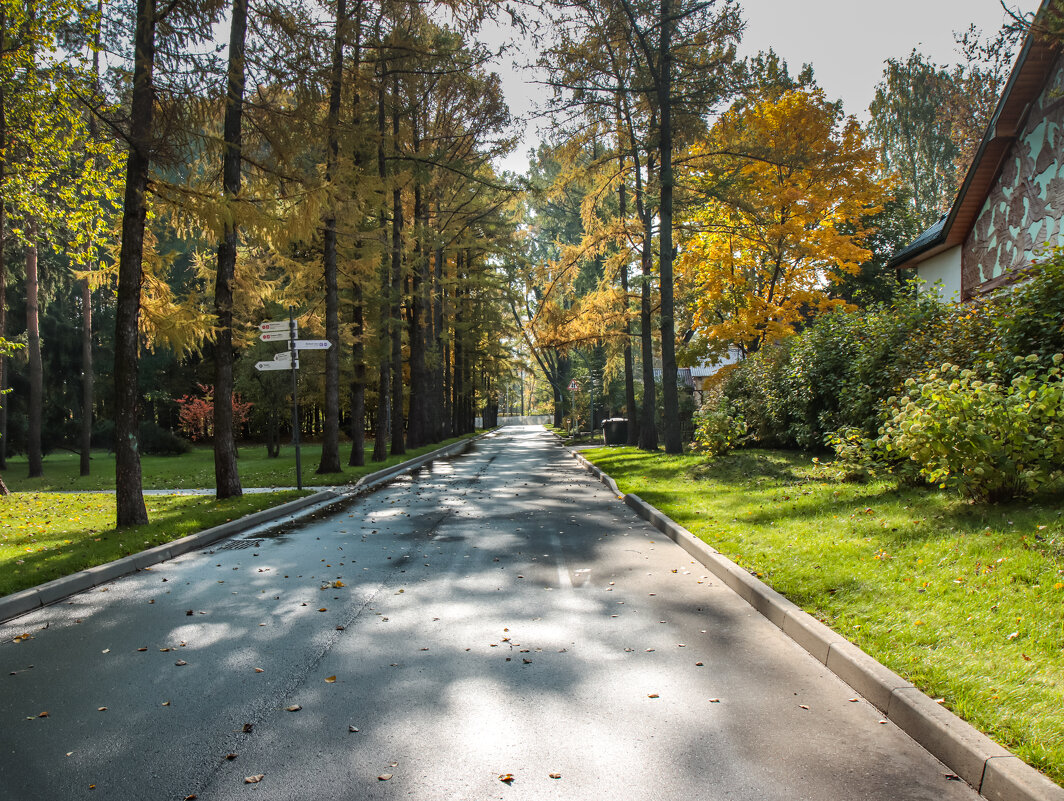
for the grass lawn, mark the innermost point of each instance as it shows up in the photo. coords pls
(46, 535)
(195, 470)
(965, 601)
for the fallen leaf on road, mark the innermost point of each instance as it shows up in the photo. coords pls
(166, 703)
(953, 777)
(506, 778)
(101, 709)
(293, 708)
(258, 777)
(352, 729)
(105, 651)
(330, 679)
(854, 700)
(142, 649)
(230, 757)
(323, 609)
(384, 777)
(43, 715)
(527, 661)
(192, 797)
(714, 700)
(259, 670)
(653, 695)
(555, 775)
(802, 706)
(248, 727)
(180, 663)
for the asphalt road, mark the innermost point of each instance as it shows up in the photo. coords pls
(500, 613)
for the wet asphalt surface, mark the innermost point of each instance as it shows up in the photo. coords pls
(499, 613)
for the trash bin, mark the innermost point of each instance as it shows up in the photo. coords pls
(615, 431)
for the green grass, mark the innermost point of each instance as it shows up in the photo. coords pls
(57, 525)
(44, 536)
(195, 470)
(965, 601)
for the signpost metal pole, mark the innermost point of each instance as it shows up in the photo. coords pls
(295, 396)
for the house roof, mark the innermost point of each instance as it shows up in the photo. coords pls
(1029, 75)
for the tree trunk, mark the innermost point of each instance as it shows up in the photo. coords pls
(383, 427)
(128, 489)
(3, 267)
(439, 414)
(358, 385)
(88, 385)
(330, 445)
(669, 389)
(398, 434)
(33, 350)
(648, 434)
(418, 432)
(85, 444)
(358, 348)
(629, 377)
(226, 473)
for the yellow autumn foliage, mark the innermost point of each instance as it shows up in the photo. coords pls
(788, 184)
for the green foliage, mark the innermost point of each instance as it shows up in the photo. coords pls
(157, 441)
(1029, 319)
(718, 430)
(990, 440)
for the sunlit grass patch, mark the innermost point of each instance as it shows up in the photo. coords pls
(195, 469)
(965, 601)
(45, 535)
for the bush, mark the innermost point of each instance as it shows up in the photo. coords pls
(1028, 319)
(990, 440)
(717, 430)
(759, 392)
(157, 441)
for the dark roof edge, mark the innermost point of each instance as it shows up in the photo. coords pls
(917, 248)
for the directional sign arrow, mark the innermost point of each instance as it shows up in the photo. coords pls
(276, 325)
(313, 344)
(260, 366)
(275, 336)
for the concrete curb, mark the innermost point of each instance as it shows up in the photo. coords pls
(989, 768)
(19, 603)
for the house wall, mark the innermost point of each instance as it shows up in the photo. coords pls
(942, 273)
(1023, 213)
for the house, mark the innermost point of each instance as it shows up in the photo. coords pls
(1011, 204)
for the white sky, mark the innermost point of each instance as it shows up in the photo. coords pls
(846, 41)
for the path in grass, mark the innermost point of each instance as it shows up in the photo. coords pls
(967, 602)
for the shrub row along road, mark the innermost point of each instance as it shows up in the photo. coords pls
(497, 615)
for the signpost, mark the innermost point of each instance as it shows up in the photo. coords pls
(278, 325)
(276, 336)
(287, 331)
